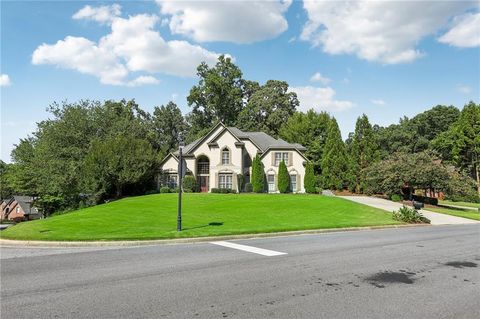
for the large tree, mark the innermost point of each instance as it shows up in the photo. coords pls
(169, 125)
(218, 96)
(363, 152)
(310, 130)
(268, 108)
(334, 161)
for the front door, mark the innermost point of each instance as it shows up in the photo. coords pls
(203, 183)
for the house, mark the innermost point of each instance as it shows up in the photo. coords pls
(19, 208)
(225, 154)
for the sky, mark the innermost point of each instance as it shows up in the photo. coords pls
(387, 59)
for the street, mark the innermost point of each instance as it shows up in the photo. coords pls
(418, 272)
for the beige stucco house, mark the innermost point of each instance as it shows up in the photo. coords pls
(225, 154)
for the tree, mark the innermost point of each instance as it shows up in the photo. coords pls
(5, 189)
(268, 107)
(169, 125)
(309, 179)
(218, 97)
(363, 152)
(283, 178)
(310, 130)
(334, 161)
(115, 162)
(258, 175)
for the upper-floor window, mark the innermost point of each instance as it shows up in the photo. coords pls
(225, 156)
(279, 156)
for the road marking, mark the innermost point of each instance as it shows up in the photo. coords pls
(255, 250)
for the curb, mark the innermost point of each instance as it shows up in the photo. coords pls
(191, 240)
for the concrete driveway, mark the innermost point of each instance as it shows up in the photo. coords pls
(435, 218)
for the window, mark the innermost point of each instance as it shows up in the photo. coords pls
(225, 181)
(203, 167)
(18, 209)
(271, 182)
(279, 156)
(172, 180)
(293, 183)
(225, 156)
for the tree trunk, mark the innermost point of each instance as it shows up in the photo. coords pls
(119, 191)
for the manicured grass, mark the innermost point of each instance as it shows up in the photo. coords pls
(467, 213)
(154, 217)
(464, 204)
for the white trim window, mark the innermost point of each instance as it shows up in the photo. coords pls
(225, 181)
(225, 156)
(293, 182)
(172, 180)
(281, 156)
(285, 157)
(271, 182)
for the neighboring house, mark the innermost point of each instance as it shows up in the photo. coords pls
(225, 154)
(19, 208)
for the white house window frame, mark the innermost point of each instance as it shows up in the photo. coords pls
(225, 180)
(279, 156)
(225, 156)
(172, 180)
(271, 182)
(293, 182)
(285, 157)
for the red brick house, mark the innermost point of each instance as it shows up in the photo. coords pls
(19, 208)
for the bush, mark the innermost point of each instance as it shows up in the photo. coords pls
(396, 198)
(248, 187)
(164, 190)
(258, 175)
(309, 179)
(174, 190)
(223, 191)
(409, 215)
(318, 190)
(283, 178)
(189, 184)
(150, 192)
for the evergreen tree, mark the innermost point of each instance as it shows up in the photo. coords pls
(363, 153)
(309, 179)
(257, 175)
(283, 178)
(334, 162)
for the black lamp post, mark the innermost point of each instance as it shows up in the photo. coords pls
(181, 172)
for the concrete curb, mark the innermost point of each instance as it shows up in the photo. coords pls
(191, 240)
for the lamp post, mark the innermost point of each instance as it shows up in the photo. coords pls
(181, 173)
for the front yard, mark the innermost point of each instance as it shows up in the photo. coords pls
(154, 217)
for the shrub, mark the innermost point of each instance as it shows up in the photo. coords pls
(189, 184)
(150, 192)
(174, 190)
(409, 215)
(258, 175)
(283, 178)
(318, 190)
(223, 191)
(309, 179)
(164, 190)
(248, 187)
(396, 198)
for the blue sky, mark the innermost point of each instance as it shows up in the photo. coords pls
(382, 58)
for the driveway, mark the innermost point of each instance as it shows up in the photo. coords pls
(417, 272)
(435, 218)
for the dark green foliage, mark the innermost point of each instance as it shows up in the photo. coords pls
(189, 184)
(461, 187)
(283, 178)
(396, 198)
(258, 175)
(268, 107)
(309, 179)
(223, 191)
(168, 125)
(248, 188)
(310, 130)
(334, 161)
(363, 152)
(164, 190)
(409, 215)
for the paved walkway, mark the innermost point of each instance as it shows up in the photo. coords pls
(435, 218)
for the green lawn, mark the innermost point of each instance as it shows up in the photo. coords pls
(467, 213)
(154, 217)
(464, 204)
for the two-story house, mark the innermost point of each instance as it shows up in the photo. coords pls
(225, 153)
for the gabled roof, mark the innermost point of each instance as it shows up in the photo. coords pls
(25, 202)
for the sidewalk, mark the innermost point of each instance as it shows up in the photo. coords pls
(435, 218)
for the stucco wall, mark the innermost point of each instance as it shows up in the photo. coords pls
(296, 166)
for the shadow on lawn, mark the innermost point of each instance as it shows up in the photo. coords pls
(202, 226)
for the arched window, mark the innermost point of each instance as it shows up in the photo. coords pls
(225, 156)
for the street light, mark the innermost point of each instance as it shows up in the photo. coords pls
(181, 172)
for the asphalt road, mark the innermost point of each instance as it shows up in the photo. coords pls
(422, 272)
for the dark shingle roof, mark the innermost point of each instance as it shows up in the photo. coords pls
(25, 203)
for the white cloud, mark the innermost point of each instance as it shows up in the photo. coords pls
(381, 31)
(5, 80)
(320, 99)
(465, 89)
(465, 33)
(317, 77)
(378, 102)
(102, 14)
(133, 45)
(231, 21)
